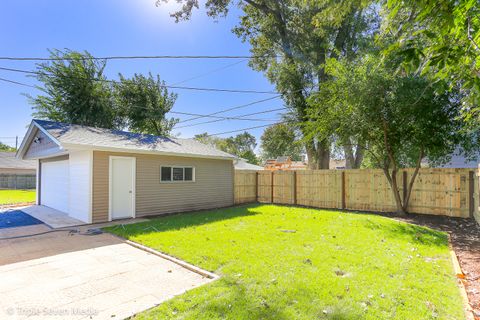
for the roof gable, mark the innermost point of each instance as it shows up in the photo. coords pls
(38, 143)
(77, 136)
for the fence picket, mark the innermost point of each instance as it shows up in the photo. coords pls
(448, 192)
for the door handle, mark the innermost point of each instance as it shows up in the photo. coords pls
(130, 191)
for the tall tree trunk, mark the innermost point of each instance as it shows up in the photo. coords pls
(323, 155)
(353, 159)
(412, 180)
(349, 156)
(359, 156)
(402, 204)
(311, 155)
(392, 180)
(319, 153)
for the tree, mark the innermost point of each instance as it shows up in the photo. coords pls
(242, 145)
(207, 139)
(290, 41)
(280, 140)
(75, 90)
(144, 102)
(401, 119)
(7, 148)
(442, 38)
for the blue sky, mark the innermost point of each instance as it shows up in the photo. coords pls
(130, 27)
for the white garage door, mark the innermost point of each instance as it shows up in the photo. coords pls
(54, 185)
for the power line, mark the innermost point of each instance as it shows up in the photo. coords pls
(137, 57)
(165, 86)
(198, 116)
(16, 82)
(241, 117)
(245, 129)
(230, 109)
(178, 112)
(221, 118)
(209, 72)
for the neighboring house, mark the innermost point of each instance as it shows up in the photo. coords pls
(97, 175)
(242, 164)
(337, 164)
(460, 162)
(457, 161)
(285, 163)
(9, 164)
(16, 173)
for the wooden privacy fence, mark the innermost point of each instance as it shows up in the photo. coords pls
(451, 192)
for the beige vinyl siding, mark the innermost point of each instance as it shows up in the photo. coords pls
(44, 147)
(213, 186)
(100, 187)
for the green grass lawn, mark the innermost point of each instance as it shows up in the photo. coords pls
(281, 262)
(16, 196)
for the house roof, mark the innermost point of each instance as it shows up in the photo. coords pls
(8, 161)
(241, 164)
(71, 135)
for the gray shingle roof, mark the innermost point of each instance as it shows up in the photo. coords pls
(8, 161)
(241, 164)
(107, 138)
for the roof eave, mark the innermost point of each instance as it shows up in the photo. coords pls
(73, 146)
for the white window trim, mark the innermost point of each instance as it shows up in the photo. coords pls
(171, 174)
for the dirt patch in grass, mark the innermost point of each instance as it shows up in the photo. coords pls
(465, 238)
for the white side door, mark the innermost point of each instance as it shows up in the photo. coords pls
(54, 185)
(122, 187)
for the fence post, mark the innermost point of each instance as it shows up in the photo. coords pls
(294, 187)
(271, 196)
(471, 187)
(344, 198)
(256, 186)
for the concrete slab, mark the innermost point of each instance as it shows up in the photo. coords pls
(58, 219)
(72, 276)
(52, 217)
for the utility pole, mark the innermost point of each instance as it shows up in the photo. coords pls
(16, 143)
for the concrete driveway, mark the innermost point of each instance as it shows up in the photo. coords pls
(63, 276)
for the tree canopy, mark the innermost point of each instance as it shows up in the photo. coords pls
(241, 145)
(280, 140)
(144, 103)
(401, 119)
(291, 41)
(75, 90)
(6, 147)
(443, 37)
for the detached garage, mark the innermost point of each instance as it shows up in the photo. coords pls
(98, 175)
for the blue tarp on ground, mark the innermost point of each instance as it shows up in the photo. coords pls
(16, 218)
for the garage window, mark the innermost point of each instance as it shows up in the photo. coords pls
(177, 174)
